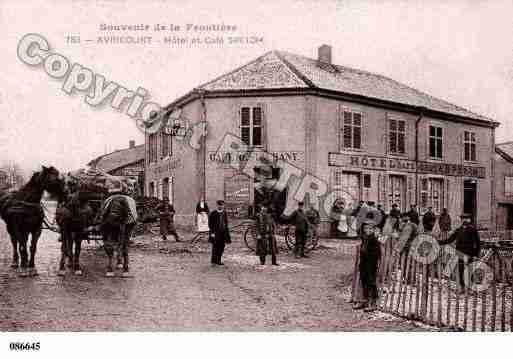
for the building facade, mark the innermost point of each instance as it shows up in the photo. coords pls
(363, 136)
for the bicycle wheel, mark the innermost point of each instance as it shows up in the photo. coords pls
(290, 239)
(250, 237)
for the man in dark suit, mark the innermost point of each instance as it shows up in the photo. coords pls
(468, 243)
(300, 221)
(219, 232)
(414, 214)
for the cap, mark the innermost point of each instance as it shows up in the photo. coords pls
(301, 203)
(369, 222)
(220, 202)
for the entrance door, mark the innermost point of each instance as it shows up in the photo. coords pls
(469, 198)
(397, 192)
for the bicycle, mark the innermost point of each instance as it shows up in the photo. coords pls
(282, 231)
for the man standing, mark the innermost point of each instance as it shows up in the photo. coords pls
(314, 218)
(408, 232)
(383, 217)
(414, 214)
(167, 223)
(266, 242)
(370, 254)
(467, 244)
(395, 212)
(445, 223)
(428, 220)
(300, 221)
(219, 232)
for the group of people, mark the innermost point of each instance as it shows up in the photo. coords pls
(304, 222)
(372, 222)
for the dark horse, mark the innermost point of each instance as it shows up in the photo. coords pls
(117, 220)
(73, 216)
(22, 212)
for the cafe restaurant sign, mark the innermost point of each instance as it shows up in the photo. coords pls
(238, 157)
(403, 165)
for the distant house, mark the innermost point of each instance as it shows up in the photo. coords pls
(4, 180)
(504, 185)
(127, 162)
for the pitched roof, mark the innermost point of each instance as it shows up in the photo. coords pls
(283, 70)
(118, 159)
(505, 150)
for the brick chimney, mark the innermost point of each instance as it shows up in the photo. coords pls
(324, 54)
(131, 144)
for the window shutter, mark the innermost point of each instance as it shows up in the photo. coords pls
(265, 132)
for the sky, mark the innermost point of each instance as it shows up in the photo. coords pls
(460, 51)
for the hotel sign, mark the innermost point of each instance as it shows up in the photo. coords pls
(404, 165)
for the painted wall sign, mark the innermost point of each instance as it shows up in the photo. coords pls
(404, 165)
(165, 167)
(234, 157)
(236, 195)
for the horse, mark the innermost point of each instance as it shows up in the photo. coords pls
(73, 216)
(23, 214)
(117, 218)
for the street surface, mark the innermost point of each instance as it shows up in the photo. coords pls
(174, 288)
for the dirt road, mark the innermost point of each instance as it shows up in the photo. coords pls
(174, 288)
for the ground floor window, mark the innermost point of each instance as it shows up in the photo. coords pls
(165, 188)
(432, 193)
(347, 186)
(151, 189)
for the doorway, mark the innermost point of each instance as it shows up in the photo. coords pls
(397, 192)
(469, 198)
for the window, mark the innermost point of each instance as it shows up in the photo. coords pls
(151, 189)
(352, 130)
(396, 132)
(166, 145)
(367, 180)
(435, 142)
(432, 193)
(508, 186)
(152, 142)
(251, 126)
(469, 142)
(165, 188)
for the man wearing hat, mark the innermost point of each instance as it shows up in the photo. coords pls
(468, 243)
(300, 221)
(370, 255)
(219, 232)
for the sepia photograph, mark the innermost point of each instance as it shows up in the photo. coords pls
(254, 172)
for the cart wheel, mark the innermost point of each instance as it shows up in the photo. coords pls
(250, 237)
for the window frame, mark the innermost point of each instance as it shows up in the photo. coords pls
(508, 194)
(342, 126)
(471, 142)
(436, 138)
(251, 126)
(397, 134)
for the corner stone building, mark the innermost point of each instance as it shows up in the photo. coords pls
(368, 136)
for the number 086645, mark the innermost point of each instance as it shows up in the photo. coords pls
(24, 346)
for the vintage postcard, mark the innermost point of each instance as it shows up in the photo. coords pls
(266, 166)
